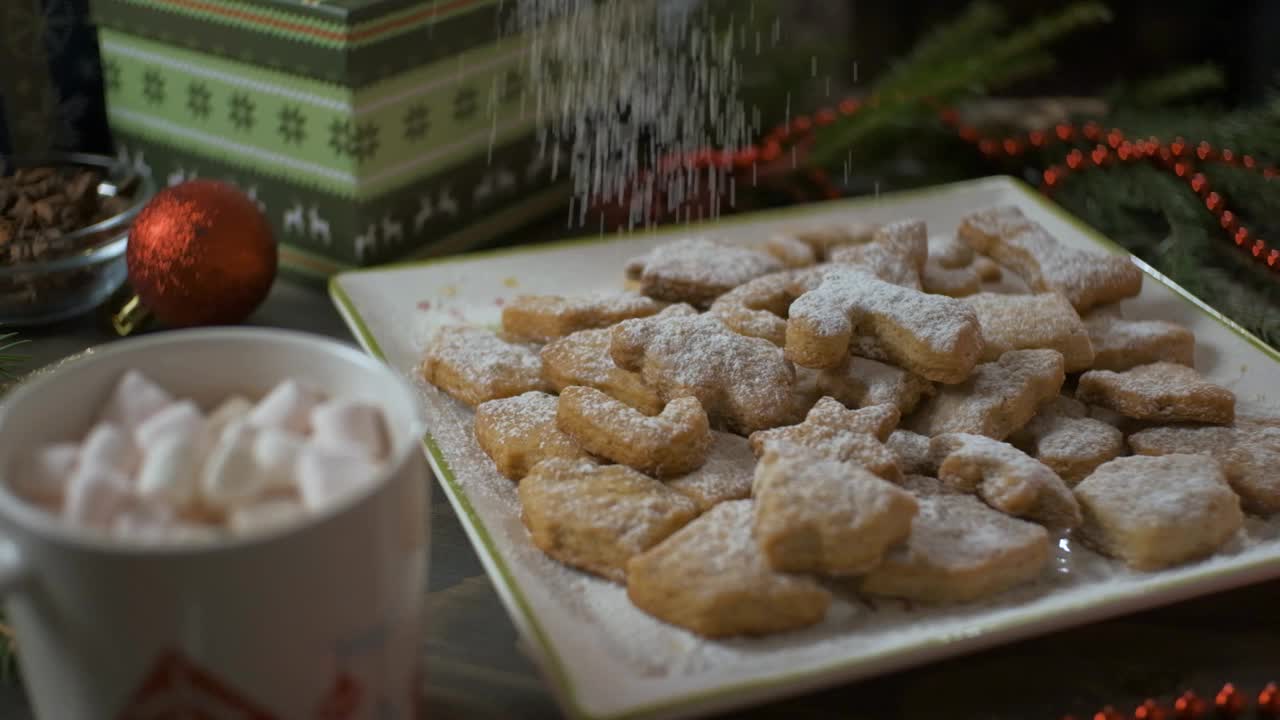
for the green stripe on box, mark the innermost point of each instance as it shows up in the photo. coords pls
(336, 32)
(425, 217)
(357, 144)
(351, 64)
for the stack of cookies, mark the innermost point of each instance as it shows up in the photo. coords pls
(744, 431)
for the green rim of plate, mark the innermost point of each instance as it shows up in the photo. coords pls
(562, 684)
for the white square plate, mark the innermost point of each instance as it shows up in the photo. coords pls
(606, 659)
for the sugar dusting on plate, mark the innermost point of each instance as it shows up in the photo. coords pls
(854, 627)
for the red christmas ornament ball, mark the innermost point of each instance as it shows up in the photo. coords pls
(201, 253)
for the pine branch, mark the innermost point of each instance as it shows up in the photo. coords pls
(954, 39)
(1179, 85)
(946, 66)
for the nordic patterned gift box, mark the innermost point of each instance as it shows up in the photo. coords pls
(368, 130)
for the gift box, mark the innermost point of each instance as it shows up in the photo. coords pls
(367, 130)
(50, 79)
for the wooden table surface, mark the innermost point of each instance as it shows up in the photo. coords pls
(475, 668)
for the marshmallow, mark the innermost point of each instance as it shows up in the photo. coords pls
(107, 446)
(96, 495)
(183, 418)
(275, 454)
(134, 399)
(325, 478)
(350, 427)
(171, 467)
(287, 407)
(43, 478)
(151, 528)
(230, 475)
(265, 515)
(233, 408)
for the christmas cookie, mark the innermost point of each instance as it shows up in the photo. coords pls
(596, 517)
(1022, 322)
(933, 336)
(744, 384)
(1162, 392)
(670, 443)
(474, 365)
(1071, 444)
(726, 475)
(826, 517)
(999, 398)
(711, 577)
(1120, 344)
(519, 432)
(896, 253)
(1005, 478)
(813, 441)
(546, 317)
(583, 359)
(861, 382)
(1022, 245)
(912, 451)
(1154, 512)
(698, 270)
(1248, 453)
(809, 246)
(758, 308)
(959, 550)
(953, 282)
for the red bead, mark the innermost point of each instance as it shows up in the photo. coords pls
(987, 147)
(1166, 156)
(1092, 131)
(1125, 150)
(1273, 261)
(1099, 154)
(1228, 701)
(801, 124)
(1181, 169)
(1188, 707)
(1213, 202)
(968, 134)
(771, 151)
(1114, 138)
(1012, 146)
(1228, 156)
(1064, 131)
(1269, 173)
(950, 117)
(1258, 247)
(848, 106)
(1199, 183)
(1177, 147)
(1052, 175)
(747, 156)
(1075, 159)
(1242, 235)
(1227, 220)
(1249, 162)
(1108, 713)
(1204, 150)
(1150, 710)
(825, 116)
(1036, 138)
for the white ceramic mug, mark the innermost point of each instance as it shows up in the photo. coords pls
(320, 620)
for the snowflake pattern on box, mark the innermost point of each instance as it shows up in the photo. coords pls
(293, 125)
(199, 100)
(466, 104)
(417, 121)
(359, 142)
(241, 111)
(153, 87)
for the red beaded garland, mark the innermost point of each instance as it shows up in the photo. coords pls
(1110, 146)
(1228, 701)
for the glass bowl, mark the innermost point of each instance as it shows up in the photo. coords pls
(78, 270)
